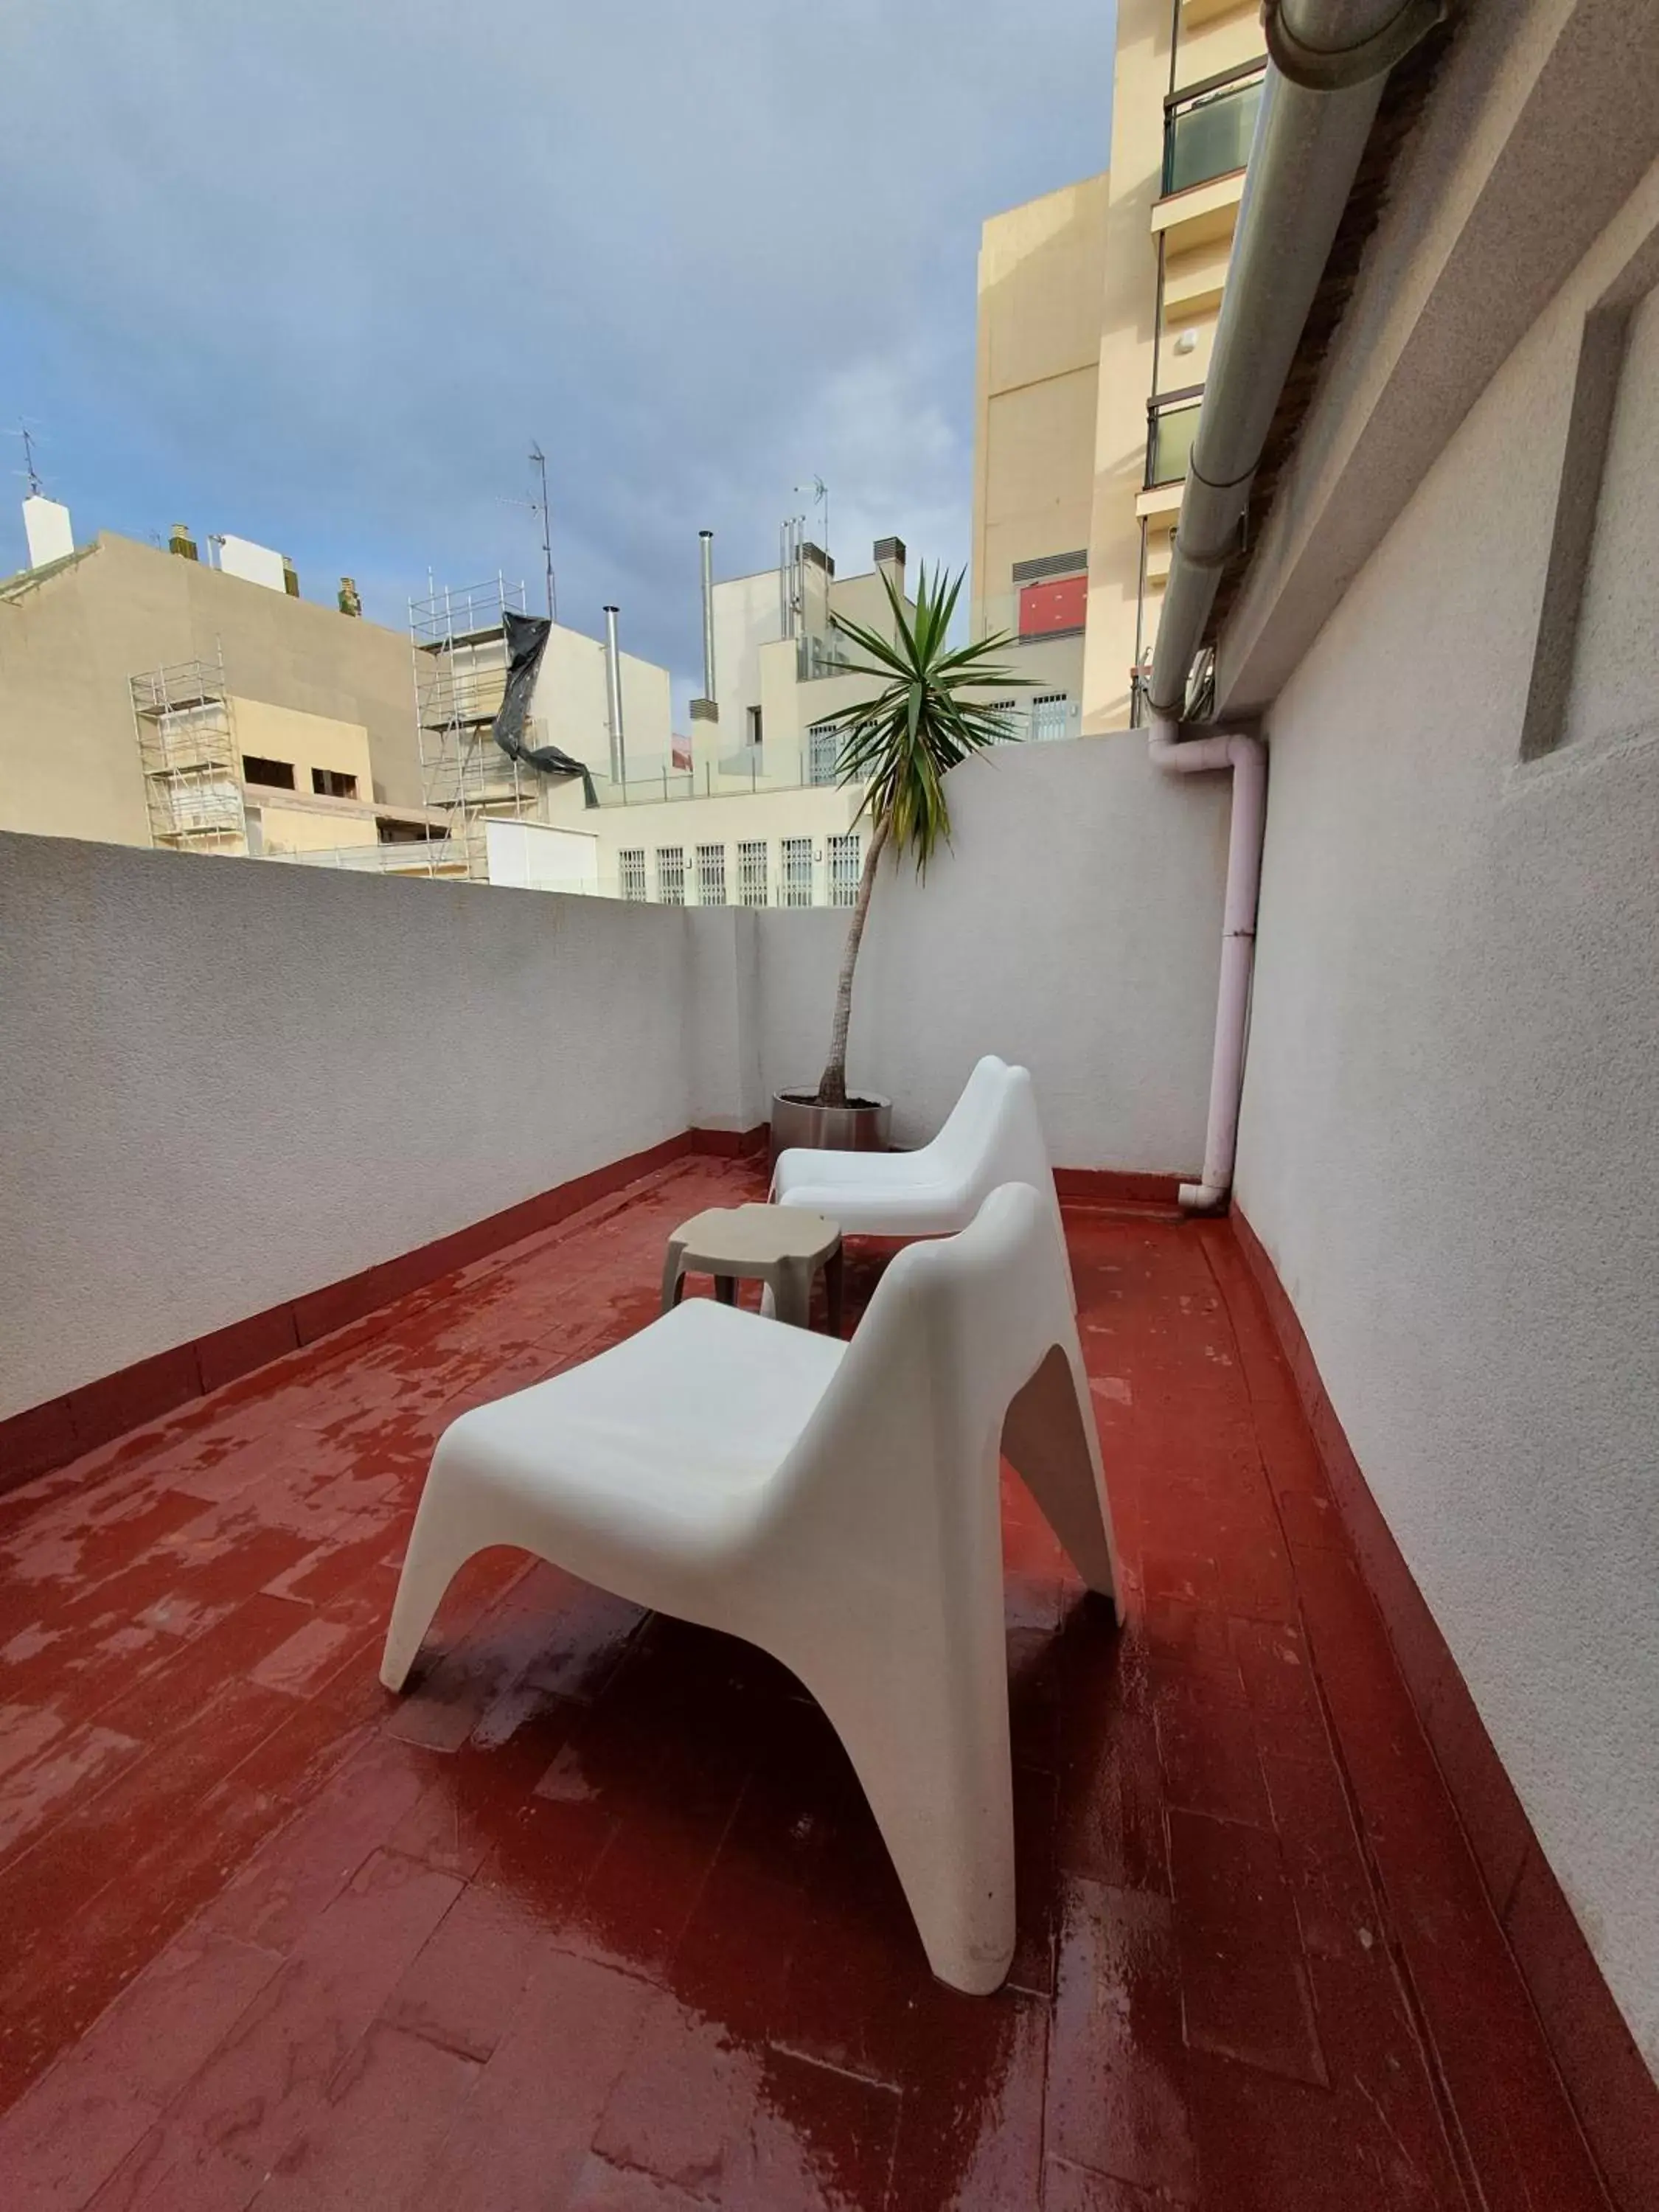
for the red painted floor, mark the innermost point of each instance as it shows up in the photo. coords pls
(596, 1917)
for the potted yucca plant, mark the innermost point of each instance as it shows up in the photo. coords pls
(899, 744)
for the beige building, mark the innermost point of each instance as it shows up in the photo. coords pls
(1097, 308)
(1035, 397)
(749, 811)
(150, 699)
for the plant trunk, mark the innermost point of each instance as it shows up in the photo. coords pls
(832, 1087)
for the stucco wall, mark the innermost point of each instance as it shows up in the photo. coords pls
(69, 758)
(225, 1083)
(1450, 1115)
(1074, 926)
(70, 642)
(1041, 270)
(571, 702)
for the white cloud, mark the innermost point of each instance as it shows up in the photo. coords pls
(322, 272)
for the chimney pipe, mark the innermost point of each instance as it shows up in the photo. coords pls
(706, 539)
(613, 674)
(890, 561)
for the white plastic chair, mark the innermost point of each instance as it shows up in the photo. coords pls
(835, 1503)
(994, 1135)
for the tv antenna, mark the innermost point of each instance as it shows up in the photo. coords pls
(37, 490)
(539, 461)
(820, 492)
(541, 508)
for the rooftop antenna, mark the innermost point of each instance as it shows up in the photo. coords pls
(539, 461)
(32, 473)
(820, 492)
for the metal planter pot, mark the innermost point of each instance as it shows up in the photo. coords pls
(864, 1124)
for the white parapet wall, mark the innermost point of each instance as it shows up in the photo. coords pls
(1073, 926)
(227, 1085)
(537, 857)
(254, 564)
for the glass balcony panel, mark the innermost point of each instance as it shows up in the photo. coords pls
(1169, 449)
(1211, 138)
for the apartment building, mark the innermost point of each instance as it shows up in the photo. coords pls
(149, 698)
(1097, 310)
(749, 809)
(1036, 396)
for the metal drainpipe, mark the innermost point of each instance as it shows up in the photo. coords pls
(1327, 62)
(1247, 759)
(706, 538)
(613, 678)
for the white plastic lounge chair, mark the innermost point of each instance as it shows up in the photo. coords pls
(993, 1136)
(836, 1504)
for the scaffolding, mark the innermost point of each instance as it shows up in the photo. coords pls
(187, 750)
(459, 640)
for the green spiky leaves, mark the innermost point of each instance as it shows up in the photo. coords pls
(901, 743)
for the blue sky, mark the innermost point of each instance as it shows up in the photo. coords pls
(317, 271)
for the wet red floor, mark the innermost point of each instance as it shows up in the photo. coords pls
(596, 1917)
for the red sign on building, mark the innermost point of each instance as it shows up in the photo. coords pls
(1056, 604)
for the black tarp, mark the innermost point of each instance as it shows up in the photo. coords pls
(527, 642)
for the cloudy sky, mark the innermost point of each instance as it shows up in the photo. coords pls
(317, 271)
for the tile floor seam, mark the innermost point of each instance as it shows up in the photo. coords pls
(150, 1749)
(892, 2033)
(1456, 2133)
(1458, 2145)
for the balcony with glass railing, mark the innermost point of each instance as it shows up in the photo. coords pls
(1207, 131)
(1171, 426)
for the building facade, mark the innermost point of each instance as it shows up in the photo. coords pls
(150, 699)
(749, 810)
(1097, 308)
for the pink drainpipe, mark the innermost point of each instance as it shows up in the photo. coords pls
(1247, 759)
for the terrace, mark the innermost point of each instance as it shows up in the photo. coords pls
(1335, 1859)
(302, 1163)
(596, 1917)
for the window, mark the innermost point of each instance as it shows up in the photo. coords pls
(1009, 709)
(333, 783)
(671, 874)
(278, 773)
(711, 875)
(822, 752)
(798, 872)
(844, 863)
(1048, 717)
(752, 724)
(632, 866)
(752, 888)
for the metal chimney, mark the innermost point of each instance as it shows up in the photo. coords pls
(706, 539)
(613, 677)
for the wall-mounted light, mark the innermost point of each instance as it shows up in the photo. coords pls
(1187, 341)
